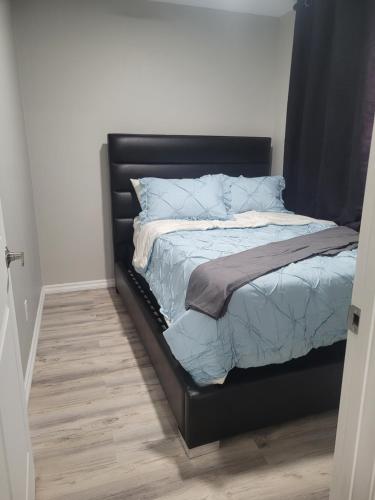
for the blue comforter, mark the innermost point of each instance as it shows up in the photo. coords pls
(275, 318)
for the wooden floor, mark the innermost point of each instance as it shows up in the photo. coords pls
(101, 427)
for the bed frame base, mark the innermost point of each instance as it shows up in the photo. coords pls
(250, 399)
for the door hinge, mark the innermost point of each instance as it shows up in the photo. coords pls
(354, 318)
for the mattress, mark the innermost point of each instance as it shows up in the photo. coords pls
(275, 318)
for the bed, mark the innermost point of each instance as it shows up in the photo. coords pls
(249, 398)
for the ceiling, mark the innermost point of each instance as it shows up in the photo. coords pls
(275, 8)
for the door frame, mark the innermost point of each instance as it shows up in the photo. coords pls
(354, 459)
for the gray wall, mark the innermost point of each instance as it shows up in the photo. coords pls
(15, 188)
(284, 60)
(89, 67)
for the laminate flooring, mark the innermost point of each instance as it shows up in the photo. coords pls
(102, 430)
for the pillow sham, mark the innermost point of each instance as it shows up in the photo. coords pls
(195, 199)
(137, 188)
(263, 194)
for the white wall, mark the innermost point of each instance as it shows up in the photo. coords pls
(89, 67)
(15, 188)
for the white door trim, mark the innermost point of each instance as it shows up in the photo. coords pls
(354, 462)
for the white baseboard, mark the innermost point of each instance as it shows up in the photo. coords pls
(51, 289)
(79, 286)
(34, 345)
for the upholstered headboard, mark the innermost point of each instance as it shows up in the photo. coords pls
(172, 156)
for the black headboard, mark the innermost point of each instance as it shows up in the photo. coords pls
(173, 156)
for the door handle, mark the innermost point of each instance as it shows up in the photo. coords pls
(12, 256)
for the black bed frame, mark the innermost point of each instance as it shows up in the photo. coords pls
(249, 399)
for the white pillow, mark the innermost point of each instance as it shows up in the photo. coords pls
(137, 188)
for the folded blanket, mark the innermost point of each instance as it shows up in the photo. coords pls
(212, 284)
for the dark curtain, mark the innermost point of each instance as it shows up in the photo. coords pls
(330, 108)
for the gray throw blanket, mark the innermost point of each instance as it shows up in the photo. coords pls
(212, 284)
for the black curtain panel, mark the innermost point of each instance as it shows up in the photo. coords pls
(330, 108)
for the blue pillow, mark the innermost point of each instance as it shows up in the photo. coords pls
(263, 194)
(194, 199)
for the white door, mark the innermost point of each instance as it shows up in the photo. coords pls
(16, 462)
(354, 467)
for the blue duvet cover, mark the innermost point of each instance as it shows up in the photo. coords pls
(277, 317)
